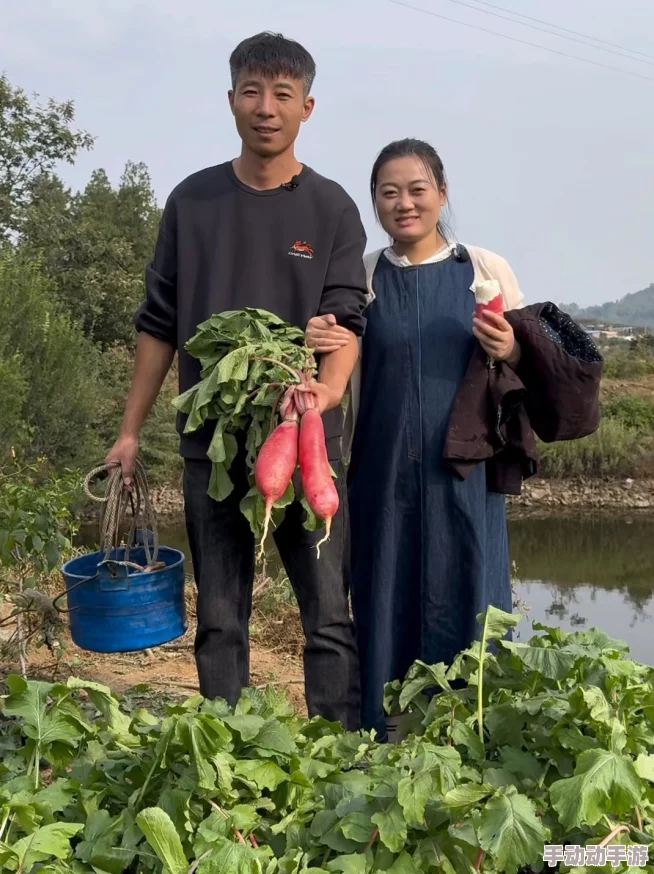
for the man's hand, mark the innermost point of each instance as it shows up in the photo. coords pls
(496, 337)
(323, 335)
(124, 453)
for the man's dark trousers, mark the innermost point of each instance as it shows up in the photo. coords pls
(222, 550)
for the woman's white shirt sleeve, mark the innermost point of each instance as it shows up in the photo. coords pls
(488, 265)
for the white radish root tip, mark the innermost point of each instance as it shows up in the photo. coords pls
(266, 522)
(328, 528)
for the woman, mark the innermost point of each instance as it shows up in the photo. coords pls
(429, 550)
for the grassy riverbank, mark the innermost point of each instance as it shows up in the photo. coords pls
(623, 446)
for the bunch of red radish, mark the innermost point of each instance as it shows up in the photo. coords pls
(300, 435)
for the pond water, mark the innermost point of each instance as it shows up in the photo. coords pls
(576, 572)
(586, 572)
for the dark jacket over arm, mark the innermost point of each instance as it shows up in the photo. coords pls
(554, 394)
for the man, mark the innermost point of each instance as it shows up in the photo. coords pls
(260, 231)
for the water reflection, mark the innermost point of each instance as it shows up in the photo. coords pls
(589, 572)
(577, 572)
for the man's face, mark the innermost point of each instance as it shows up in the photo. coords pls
(269, 112)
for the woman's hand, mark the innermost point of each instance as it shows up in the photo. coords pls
(496, 337)
(323, 335)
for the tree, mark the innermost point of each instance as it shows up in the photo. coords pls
(45, 224)
(94, 247)
(137, 212)
(72, 268)
(34, 138)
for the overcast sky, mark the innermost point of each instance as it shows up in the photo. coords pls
(550, 161)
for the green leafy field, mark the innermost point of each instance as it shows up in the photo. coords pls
(545, 742)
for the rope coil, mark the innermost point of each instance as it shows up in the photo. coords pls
(115, 500)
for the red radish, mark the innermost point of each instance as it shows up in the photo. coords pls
(488, 297)
(304, 400)
(300, 402)
(317, 480)
(274, 467)
(309, 399)
(288, 410)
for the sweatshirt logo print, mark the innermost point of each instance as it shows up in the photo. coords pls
(301, 249)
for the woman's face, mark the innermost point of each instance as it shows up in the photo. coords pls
(408, 200)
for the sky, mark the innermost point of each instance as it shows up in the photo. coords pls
(550, 161)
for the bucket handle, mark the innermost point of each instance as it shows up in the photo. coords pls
(110, 565)
(83, 582)
(66, 592)
(118, 573)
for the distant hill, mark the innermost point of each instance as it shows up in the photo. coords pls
(635, 310)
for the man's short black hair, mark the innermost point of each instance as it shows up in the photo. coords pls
(272, 55)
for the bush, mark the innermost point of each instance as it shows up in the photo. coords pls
(36, 524)
(159, 438)
(634, 362)
(613, 450)
(160, 441)
(49, 388)
(13, 392)
(62, 397)
(633, 413)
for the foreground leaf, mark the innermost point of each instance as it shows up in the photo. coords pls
(413, 793)
(108, 705)
(645, 767)
(497, 623)
(420, 677)
(466, 795)
(349, 864)
(275, 737)
(46, 842)
(511, 832)
(392, 827)
(230, 857)
(265, 775)
(43, 723)
(604, 783)
(600, 709)
(162, 836)
(555, 664)
(98, 847)
(404, 864)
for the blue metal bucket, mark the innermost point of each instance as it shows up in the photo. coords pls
(115, 609)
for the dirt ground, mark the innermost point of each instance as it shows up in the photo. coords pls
(169, 670)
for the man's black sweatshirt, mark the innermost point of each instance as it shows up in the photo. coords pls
(296, 251)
